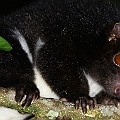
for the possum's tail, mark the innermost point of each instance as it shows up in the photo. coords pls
(11, 114)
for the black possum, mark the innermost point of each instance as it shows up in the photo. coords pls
(63, 49)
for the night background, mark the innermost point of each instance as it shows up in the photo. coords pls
(7, 6)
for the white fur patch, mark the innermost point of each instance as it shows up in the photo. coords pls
(38, 46)
(94, 87)
(11, 114)
(23, 43)
(45, 90)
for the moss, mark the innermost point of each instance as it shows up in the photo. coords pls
(41, 108)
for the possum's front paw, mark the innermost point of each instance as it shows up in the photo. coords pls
(83, 102)
(29, 91)
(105, 99)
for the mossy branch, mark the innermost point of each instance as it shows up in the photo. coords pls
(42, 108)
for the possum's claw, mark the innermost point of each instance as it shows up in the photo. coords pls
(29, 91)
(83, 102)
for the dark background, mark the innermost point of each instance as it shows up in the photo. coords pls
(7, 6)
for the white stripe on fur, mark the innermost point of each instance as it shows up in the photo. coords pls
(23, 43)
(44, 88)
(94, 87)
(38, 46)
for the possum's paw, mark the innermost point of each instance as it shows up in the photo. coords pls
(105, 99)
(29, 91)
(83, 102)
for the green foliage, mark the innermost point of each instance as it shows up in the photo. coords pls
(4, 45)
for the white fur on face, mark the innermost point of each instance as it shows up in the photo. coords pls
(94, 87)
(44, 88)
(23, 43)
(11, 114)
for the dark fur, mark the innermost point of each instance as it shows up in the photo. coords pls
(76, 38)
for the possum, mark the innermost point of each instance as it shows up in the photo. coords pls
(63, 49)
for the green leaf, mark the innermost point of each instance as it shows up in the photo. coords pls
(4, 45)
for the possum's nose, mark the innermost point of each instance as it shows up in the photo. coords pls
(117, 92)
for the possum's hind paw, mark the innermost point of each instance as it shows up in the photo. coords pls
(83, 102)
(29, 91)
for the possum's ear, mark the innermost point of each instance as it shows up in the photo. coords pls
(115, 33)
